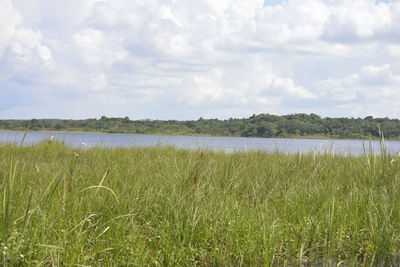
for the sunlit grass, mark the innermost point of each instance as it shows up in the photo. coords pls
(166, 206)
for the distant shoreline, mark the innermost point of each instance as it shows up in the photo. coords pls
(302, 126)
(205, 135)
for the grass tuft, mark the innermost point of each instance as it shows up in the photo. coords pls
(167, 206)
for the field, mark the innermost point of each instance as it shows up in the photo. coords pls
(165, 206)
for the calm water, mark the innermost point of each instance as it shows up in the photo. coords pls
(228, 144)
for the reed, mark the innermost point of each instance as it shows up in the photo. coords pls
(167, 206)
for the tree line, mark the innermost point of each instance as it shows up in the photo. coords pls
(262, 125)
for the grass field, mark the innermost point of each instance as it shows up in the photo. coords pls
(165, 206)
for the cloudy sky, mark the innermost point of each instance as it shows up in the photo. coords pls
(182, 59)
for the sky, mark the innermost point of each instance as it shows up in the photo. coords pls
(185, 59)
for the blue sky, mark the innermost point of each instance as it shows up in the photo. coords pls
(272, 2)
(185, 59)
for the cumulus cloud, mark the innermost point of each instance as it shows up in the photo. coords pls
(182, 59)
(21, 48)
(373, 89)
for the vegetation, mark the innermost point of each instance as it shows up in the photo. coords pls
(165, 206)
(263, 125)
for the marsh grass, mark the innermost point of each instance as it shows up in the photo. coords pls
(166, 206)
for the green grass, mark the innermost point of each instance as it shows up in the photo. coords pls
(166, 206)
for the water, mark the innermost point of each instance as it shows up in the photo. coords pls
(228, 144)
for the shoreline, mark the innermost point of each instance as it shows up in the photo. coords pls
(309, 137)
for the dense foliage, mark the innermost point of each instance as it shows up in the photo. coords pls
(262, 125)
(163, 206)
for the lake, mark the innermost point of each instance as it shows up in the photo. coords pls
(228, 144)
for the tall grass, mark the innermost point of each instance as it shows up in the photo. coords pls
(166, 206)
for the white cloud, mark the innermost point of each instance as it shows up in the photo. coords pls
(374, 89)
(344, 89)
(184, 59)
(358, 19)
(10, 19)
